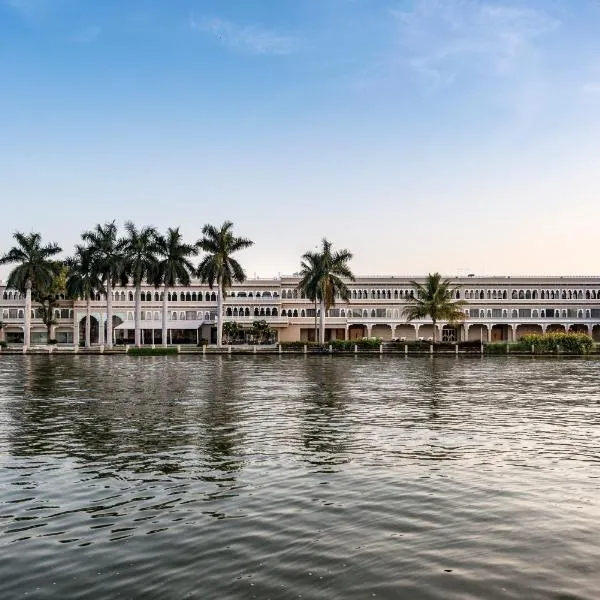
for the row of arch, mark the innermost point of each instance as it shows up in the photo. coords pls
(535, 314)
(256, 312)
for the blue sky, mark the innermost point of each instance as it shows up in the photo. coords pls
(451, 135)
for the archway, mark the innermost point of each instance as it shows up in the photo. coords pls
(357, 332)
(555, 328)
(405, 332)
(528, 329)
(94, 330)
(382, 331)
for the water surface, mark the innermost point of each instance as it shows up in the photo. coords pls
(287, 477)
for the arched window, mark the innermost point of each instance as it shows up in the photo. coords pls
(360, 294)
(372, 313)
(274, 312)
(564, 295)
(521, 295)
(268, 312)
(515, 314)
(256, 312)
(247, 312)
(284, 313)
(213, 297)
(257, 295)
(174, 316)
(194, 297)
(283, 294)
(543, 295)
(514, 294)
(528, 295)
(182, 316)
(156, 315)
(130, 296)
(228, 312)
(587, 294)
(534, 314)
(504, 314)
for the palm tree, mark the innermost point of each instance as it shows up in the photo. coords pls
(83, 281)
(322, 278)
(218, 265)
(434, 299)
(35, 269)
(173, 267)
(140, 264)
(107, 254)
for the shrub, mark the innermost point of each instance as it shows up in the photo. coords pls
(550, 343)
(3, 344)
(152, 351)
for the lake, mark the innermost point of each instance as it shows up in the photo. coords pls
(313, 477)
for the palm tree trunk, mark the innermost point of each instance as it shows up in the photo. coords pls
(322, 322)
(138, 314)
(88, 323)
(434, 330)
(220, 315)
(27, 324)
(109, 315)
(165, 342)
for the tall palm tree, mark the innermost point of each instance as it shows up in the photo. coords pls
(83, 281)
(434, 299)
(35, 269)
(218, 265)
(322, 278)
(173, 267)
(140, 262)
(107, 253)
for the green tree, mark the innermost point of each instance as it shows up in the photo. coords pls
(262, 332)
(47, 295)
(83, 281)
(434, 299)
(322, 278)
(218, 266)
(173, 267)
(139, 265)
(35, 269)
(107, 255)
(231, 330)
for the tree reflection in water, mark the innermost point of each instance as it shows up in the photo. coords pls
(123, 424)
(326, 428)
(220, 415)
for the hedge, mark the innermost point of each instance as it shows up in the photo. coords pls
(152, 351)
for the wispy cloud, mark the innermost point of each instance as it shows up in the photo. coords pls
(86, 35)
(31, 10)
(248, 39)
(443, 38)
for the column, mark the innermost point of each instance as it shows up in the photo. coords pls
(466, 332)
(76, 329)
(489, 333)
(347, 333)
(513, 329)
(101, 329)
(417, 327)
(369, 329)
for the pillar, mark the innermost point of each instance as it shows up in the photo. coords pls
(513, 329)
(369, 329)
(101, 329)
(76, 331)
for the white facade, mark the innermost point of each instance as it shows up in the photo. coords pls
(496, 308)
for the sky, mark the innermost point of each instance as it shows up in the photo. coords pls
(460, 136)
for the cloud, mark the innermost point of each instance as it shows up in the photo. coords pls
(31, 10)
(442, 39)
(591, 88)
(248, 39)
(86, 35)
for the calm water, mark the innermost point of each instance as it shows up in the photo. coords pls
(287, 477)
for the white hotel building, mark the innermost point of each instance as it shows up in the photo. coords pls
(496, 309)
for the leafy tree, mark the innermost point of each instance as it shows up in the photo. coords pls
(262, 332)
(173, 267)
(218, 266)
(140, 262)
(35, 269)
(47, 295)
(322, 278)
(434, 299)
(231, 330)
(83, 281)
(107, 256)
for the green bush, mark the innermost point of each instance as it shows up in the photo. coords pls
(496, 348)
(552, 343)
(152, 351)
(3, 344)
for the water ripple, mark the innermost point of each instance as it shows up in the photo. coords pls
(286, 477)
